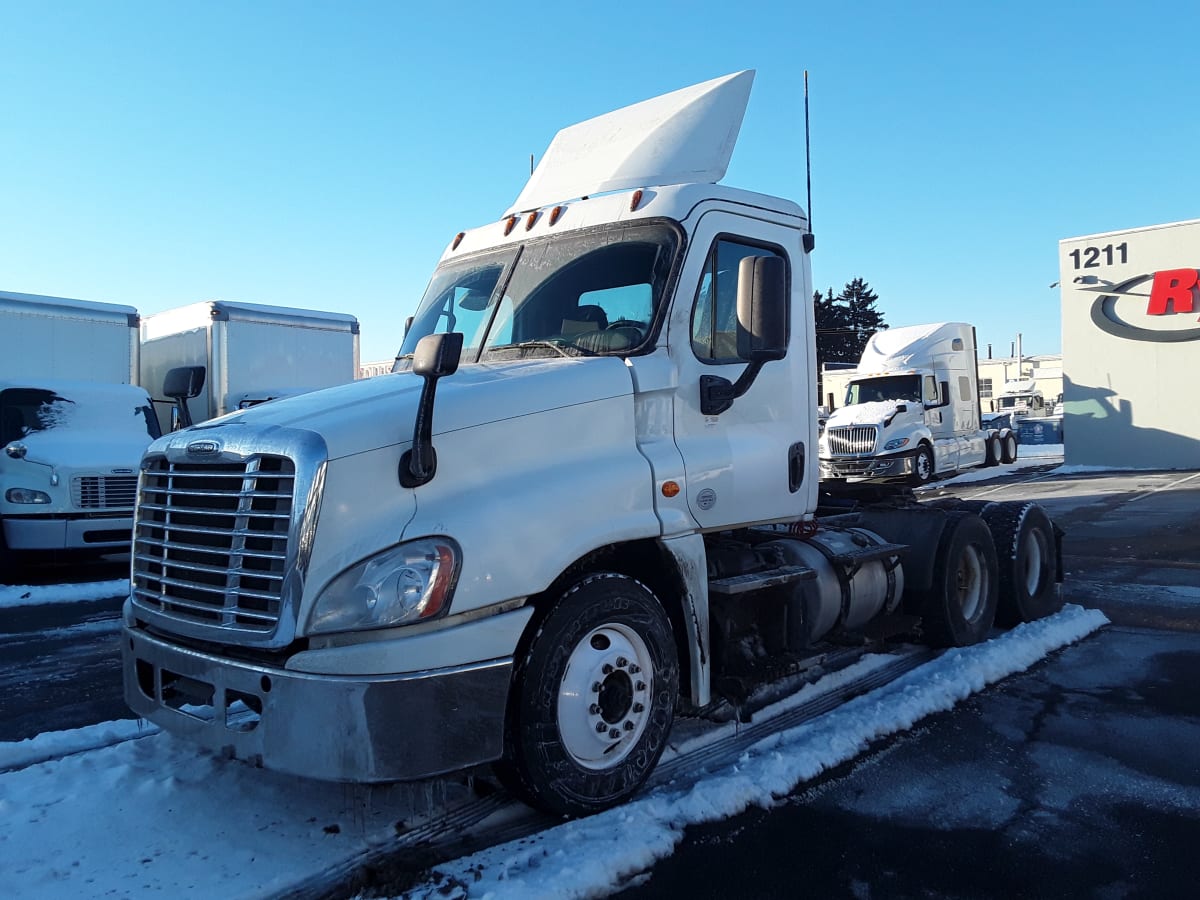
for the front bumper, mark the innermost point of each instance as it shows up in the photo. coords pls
(899, 466)
(68, 533)
(335, 728)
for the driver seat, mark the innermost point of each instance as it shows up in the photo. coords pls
(588, 317)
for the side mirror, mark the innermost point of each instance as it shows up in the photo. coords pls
(436, 356)
(182, 384)
(762, 308)
(407, 327)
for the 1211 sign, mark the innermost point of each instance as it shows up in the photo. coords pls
(1089, 257)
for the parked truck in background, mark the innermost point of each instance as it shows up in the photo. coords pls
(1020, 399)
(73, 424)
(243, 354)
(586, 501)
(912, 410)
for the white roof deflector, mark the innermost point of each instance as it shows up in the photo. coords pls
(684, 137)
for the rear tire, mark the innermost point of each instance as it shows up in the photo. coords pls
(594, 699)
(960, 606)
(1008, 451)
(1026, 547)
(993, 451)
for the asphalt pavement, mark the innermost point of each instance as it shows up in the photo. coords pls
(1078, 778)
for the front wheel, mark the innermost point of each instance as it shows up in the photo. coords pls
(923, 465)
(594, 699)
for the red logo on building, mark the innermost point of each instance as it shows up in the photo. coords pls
(1172, 292)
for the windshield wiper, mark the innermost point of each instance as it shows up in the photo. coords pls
(561, 349)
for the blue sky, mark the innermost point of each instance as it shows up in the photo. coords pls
(321, 155)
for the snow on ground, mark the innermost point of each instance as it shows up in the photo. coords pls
(156, 816)
(1028, 456)
(37, 595)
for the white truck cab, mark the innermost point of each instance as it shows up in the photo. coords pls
(912, 409)
(1021, 398)
(575, 508)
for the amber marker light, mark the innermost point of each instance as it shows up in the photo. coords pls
(509, 224)
(637, 199)
(670, 488)
(458, 240)
(555, 213)
(532, 218)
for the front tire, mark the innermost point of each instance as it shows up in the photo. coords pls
(594, 698)
(960, 605)
(923, 470)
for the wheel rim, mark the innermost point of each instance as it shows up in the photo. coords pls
(604, 696)
(1012, 446)
(970, 582)
(1036, 552)
(924, 465)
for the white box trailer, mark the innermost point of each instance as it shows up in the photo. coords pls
(73, 424)
(250, 353)
(77, 340)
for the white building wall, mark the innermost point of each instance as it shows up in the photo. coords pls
(1130, 369)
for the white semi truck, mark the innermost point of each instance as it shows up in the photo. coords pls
(233, 355)
(1021, 398)
(912, 410)
(73, 424)
(586, 501)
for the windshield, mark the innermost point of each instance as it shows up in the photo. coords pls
(581, 295)
(892, 387)
(27, 411)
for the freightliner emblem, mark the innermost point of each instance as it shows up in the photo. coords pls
(203, 448)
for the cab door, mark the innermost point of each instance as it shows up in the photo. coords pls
(750, 462)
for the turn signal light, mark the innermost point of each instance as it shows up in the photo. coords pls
(670, 488)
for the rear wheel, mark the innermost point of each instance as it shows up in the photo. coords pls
(993, 450)
(594, 699)
(1026, 547)
(960, 606)
(1008, 448)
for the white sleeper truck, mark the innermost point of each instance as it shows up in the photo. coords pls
(912, 410)
(73, 425)
(586, 501)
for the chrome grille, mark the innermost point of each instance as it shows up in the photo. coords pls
(211, 541)
(852, 438)
(103, 491)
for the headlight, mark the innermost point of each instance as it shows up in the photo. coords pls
(26, 495)
(895, 443)
(407, 583)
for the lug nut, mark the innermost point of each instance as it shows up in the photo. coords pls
(595, 687)
(622, 662)
(628, 726)
(634, 669)
(640, 686)
(607, 669)
(637, 708)
(594, 709)
(600, 726)
(613, 733)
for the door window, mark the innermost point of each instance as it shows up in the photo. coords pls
(714, 316)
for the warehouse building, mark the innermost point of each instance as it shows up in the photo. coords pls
(1131, 347)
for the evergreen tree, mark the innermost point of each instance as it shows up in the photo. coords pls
(845, 323)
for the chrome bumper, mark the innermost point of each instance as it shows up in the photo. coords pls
(867, 467)
(335, 728)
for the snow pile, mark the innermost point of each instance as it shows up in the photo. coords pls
(27, 595)
(593, 856)
(56, 744)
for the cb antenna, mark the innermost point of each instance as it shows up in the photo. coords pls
(809, 239)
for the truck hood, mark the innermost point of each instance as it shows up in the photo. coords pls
(86, 450)
(379, 412)
(873, 413)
